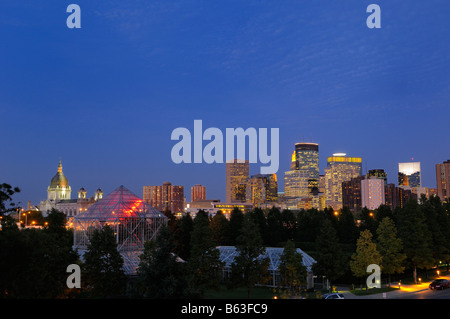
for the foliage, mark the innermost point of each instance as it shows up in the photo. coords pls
(103, 265)
(248, 267)
(329, 258)
(204, 263)
(365, 255)
(292, 271)
(161, 275)
(390, 247)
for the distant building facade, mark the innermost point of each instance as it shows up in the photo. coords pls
(165, 197)
(443, 180)
(237, 174)
(409, 174)
(340, 168)
(59, 197)
(372, 192)
(198, 192)
(261, 189)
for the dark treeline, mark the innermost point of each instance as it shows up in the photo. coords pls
(183, 260)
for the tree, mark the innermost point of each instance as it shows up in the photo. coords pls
(6, 192)
(248, 267)
(288, 223)
(235, 224)
(33, 262)
(182, 236)
(274, 227)
(103, 265)
(171, 220)
(366, 254)
(329, 257)
(292, 271)
(204, 262)
(415, 235)
(257, 216)
(390, 248)
(219, 227)
(161, 275)
(439, 227)
(346, 227)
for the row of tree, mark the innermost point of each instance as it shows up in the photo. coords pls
(183, 260)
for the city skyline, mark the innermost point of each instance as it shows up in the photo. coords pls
(105, 98)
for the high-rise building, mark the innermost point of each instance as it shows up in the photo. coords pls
(378, 173)
(397, 196)
(443, 180)
(372, 192)
(262, 189)
(237, 173)
(198, 192)
(340, 168)
(307, 158)
(409, 174)
(351, 194)
(296, 183)
(165, 197)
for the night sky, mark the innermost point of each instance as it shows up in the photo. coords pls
(105, 98)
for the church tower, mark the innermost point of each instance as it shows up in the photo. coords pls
(59, 188)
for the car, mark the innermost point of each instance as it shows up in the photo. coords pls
(333, 295)
(439, 284)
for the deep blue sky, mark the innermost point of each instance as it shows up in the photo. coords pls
(105, 98)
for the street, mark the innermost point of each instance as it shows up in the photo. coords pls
(419, 291)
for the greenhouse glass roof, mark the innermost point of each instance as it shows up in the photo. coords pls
(228, 253)
(121, 203)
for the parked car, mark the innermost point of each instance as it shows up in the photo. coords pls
(333, 295)
(439, 284)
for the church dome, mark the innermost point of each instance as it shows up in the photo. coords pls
(59, 180)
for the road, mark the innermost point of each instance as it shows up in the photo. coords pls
(420, 291)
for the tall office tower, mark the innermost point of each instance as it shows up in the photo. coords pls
(443, 180)
(378, 173)
(351, 194)
(307, 158)
(237, 173)
(322, 184)
(296, 184)
(271, 181)
(198, 192)
(262, 189)
(340, 168)
(397, 196)
(165, 197)
(409, 174)
(294, 164)
(372, 192)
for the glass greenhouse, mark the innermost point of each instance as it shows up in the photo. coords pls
(228, 253)
(133, 221)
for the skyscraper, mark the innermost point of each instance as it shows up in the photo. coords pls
(372, 192)
(237, 174)
(165, 197)
(443, 180)
(307, 158)
(409, 174)
(198, 192)
(351, 194)
(262, 189)
(296, 183)
(340, 168)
